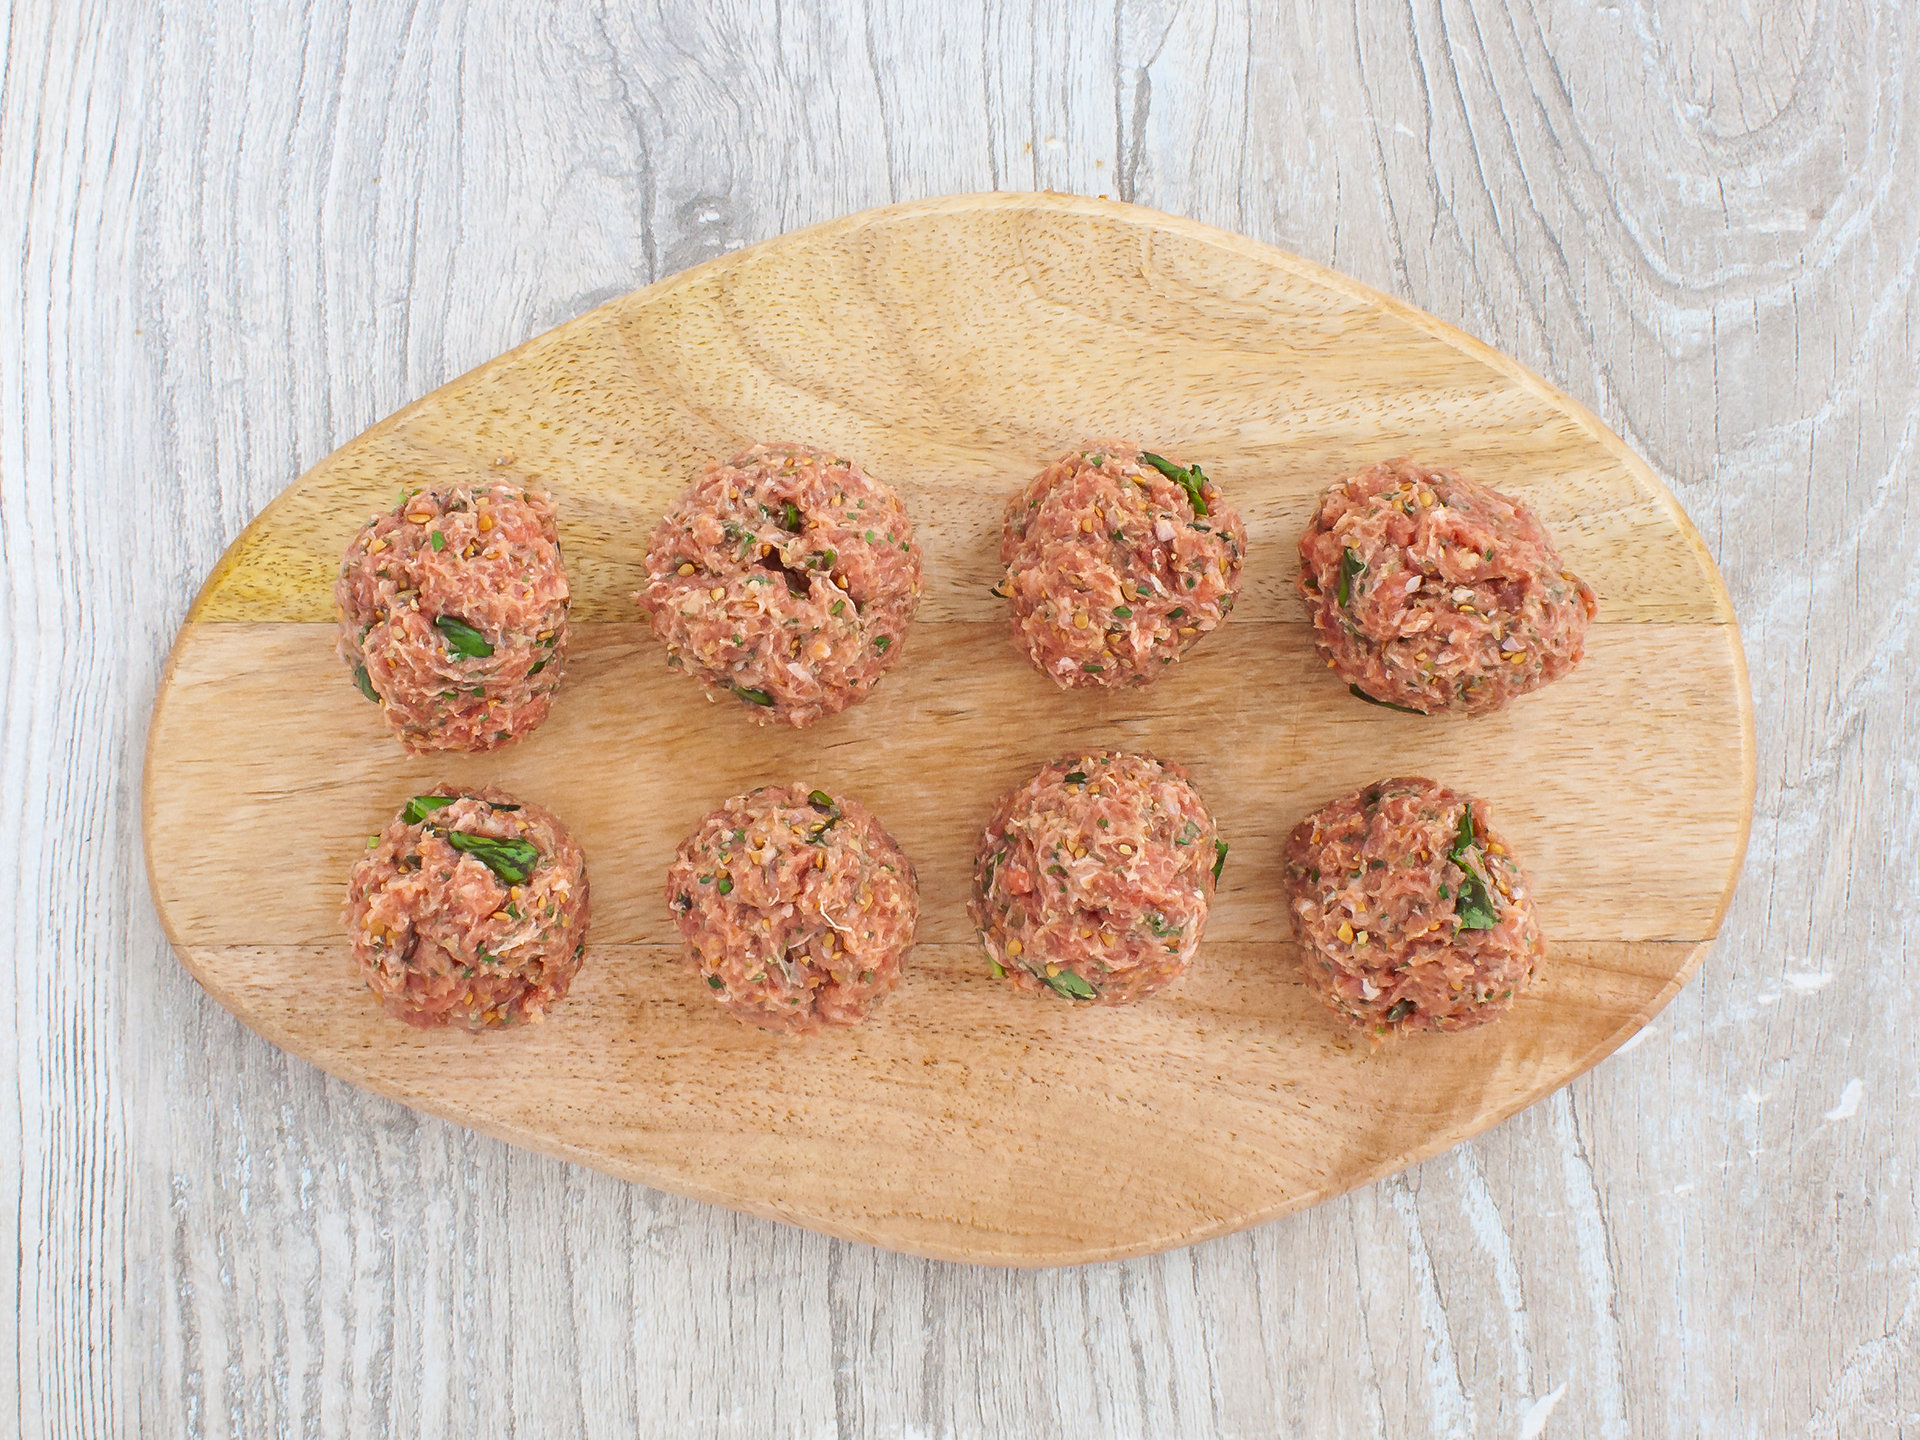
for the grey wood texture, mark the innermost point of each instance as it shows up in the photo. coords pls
(237, 233)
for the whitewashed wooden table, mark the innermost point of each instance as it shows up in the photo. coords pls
(244, 232)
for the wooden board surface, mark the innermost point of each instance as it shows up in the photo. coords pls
(953, 347)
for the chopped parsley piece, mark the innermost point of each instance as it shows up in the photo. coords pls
(1474, 905)
(365, 682)
(725, 887)
(1121, 612)
(1360, 694)
(462, 639)
(1220, 848)
(1076, 777)
(421, 806)
(1351, 568)
(881, 642)
(752, 697)
(510, 860)
(437, 540)
(1070, 985)
(1189, 480)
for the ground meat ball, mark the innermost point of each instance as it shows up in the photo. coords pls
(1091, 880)
(469, 907)
(1117, 562)
(1410, 912)
(797, 908)
(1433, 592)
(784, 580)
(453, 615)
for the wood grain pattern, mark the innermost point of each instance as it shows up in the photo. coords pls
(941, 345)
(239, 234)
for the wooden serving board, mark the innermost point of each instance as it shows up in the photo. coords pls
(953, 347)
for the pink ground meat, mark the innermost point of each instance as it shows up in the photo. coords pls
(1411, 912)
(784, 580)
(1091, 881)
(469, 907)
(797, 908)
(453, 615)
(1432, 592)
(1117, 563)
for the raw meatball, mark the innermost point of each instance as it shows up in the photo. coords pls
(469, 906)
(1092, 879)
(453, 615)
(797, 908)
(784, 580)
(1410, 912)
(1432, 592)
(1117, 562)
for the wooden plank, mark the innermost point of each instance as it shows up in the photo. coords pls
(235, 240)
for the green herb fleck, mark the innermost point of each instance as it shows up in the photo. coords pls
(820, 800)
(1474, 905)
(1093, 669)
(1360, 694)
(790, 517)
(1070, 985)
(882, 642)
(1351, 568)
(1400, 1011)
(421, 806)
(535, 668)
(365, 682)
(752, 697)
(725, 887)
(437, 540)
(838, 606)
(511, 860)
(1220, 848)
(1121, 612)
(463, 639)
(1176, 612)
(1189, 480)
(1076, 777)
(716, 983)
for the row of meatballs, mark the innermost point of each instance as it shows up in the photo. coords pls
(1091, 883)
(786, 580)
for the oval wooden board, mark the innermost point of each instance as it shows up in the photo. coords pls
(953, 347)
